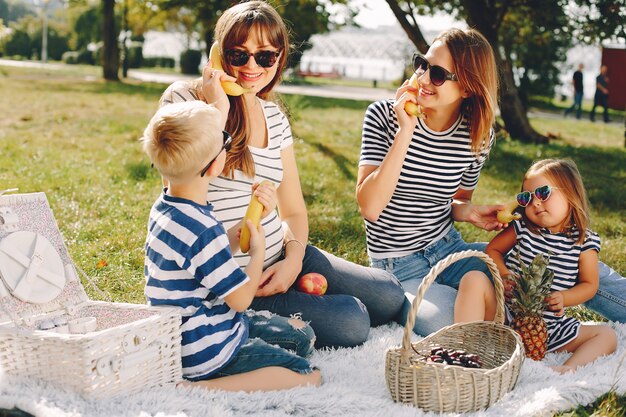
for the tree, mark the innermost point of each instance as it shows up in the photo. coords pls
(110, 49)
(304, 17)
(540, 23)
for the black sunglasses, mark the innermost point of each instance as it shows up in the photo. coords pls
(239, 58)
(438, 75)
(228, 140)
(542, 192)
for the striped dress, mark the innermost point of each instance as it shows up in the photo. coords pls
(230, 196)
(188, 264)
(436, 165)
(564, 255)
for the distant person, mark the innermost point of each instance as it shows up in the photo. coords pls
(602, 94)
(577, 82)
(189, 265)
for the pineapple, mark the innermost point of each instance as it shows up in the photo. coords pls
(528, 303)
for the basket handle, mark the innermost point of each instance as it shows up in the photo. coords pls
(435, 271)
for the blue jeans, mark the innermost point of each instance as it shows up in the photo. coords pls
(357, 297)
(437, 307)
(273, 341)
(578, 104)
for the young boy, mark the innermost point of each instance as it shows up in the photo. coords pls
(189, 264)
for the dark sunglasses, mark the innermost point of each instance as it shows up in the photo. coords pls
(228, 140)
(239, 58)
(438, 75)
(542, 193)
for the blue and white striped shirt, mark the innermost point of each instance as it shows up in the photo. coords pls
(189, 265)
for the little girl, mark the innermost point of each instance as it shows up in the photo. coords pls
(554, 222)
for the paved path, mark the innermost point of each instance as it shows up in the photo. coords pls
(330, 91)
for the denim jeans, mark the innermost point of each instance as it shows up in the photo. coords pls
(272, 341)
(578, 104)
(437, 307)
(357, 297)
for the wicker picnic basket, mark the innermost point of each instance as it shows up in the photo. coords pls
(447, 388)
(51, 330)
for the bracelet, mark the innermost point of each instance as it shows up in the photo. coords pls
(297, 241)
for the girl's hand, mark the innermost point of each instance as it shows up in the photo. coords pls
(278, 278)
(405, 93)
(555, 303)
(485, 217)
(266, 194)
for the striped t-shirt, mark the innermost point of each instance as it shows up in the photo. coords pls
(564, 255)
(188, 264)
(230, 196)
(436, 165)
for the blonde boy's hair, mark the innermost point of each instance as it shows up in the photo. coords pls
(566, 177)
(182, 137)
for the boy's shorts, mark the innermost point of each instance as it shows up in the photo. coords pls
(274, 341)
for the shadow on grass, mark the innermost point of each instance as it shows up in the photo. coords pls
(343, 163)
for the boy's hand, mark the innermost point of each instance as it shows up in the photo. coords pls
(266, 194)
(555, 303)
(257, 241)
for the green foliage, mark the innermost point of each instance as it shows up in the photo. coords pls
(599, 20)
(135, 56)
(88, 27)
(12, 11)
(58, 43)
(190, 61)
(18, 43)
(158, 61)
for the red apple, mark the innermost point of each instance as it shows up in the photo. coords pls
(312, 283)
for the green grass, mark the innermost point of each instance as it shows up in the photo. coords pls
(75, 138)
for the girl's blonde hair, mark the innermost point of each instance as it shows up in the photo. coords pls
(475, 66)
(566, 177)
(180, 137)
(233, 28)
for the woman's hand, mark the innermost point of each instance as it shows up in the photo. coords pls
(266, 194)
(212, 91)
(556, 303)
(279, 277)
(405, 93)
(483, 217)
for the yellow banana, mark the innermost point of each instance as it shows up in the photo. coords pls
(507, 215)
(230, 88)
(255, 208)
(410, 107)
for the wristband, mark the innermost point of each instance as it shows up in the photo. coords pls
(297, 241)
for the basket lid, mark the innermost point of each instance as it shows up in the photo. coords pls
(37, 274)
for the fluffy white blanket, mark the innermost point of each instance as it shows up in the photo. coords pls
(354, 385)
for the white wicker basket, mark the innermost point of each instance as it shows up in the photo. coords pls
(130, 347)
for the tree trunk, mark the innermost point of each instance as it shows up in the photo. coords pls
(110, 50)
(412, 30)
(487, 21)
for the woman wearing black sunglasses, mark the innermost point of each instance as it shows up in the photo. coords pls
(417, 176)
(254, 44)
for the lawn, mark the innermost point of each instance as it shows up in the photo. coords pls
(75, 138)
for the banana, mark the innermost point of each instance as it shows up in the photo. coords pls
(230, 88)
(255, 208)
(410, 107)
(507, 215)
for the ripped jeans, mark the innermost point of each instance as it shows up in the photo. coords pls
(272, 341)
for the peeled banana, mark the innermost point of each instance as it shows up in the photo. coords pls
(410, 107)
(230, 88)
(507, 215)
(255, 208)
